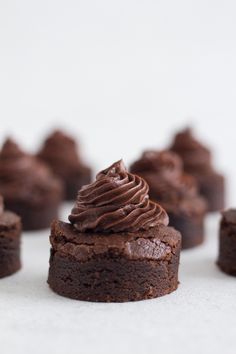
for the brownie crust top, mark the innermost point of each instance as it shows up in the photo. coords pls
(140, 245)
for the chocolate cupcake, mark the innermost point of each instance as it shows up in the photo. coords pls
(117, 246)
(28, 187)
(227, 247)
(10, 234)
(176, 191)
(60, 153)
(198, 162)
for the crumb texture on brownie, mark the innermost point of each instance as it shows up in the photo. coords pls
(66, 240)
(105, 279)
(111, 268)
(118, 246)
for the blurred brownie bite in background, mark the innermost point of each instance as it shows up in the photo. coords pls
(10, 236)
(28, 187)
(227, 242)
(60, 152)
(175, 191)
(197, 161)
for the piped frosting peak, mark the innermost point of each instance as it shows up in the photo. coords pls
(117, 201)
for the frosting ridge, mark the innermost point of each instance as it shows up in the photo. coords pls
(117, 201)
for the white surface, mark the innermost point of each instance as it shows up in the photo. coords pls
(200, 317)
(121, 75)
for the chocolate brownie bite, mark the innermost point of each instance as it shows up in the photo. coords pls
(10, 234)
(28, 187)
(175, 191)
(60, 152)
(117, 246)
(197, 161)
(227, 245)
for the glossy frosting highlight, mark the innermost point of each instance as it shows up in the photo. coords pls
(117, 201)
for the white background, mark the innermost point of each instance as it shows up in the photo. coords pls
(122, 76)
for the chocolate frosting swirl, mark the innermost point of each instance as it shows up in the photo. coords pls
(117, 201)
(194, 154)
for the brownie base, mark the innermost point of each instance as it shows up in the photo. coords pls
(10, 231)
(123, 272)
(9, 262)
(190, 227)
(34, 218)
(111, 280)
(212, 188)
(227, 248)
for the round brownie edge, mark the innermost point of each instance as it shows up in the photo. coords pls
(115, 267)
